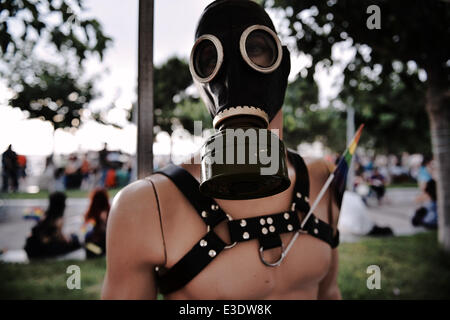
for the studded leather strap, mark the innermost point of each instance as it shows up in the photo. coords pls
(208, 210)
(263, 226)
(266, 229)
(203, 252)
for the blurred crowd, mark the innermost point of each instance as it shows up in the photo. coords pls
(98, 171)
(373, 175)
(108, 169)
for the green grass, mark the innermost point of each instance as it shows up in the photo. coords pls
(413, 266)
(46, 279)
(44, 194)
(403, 185)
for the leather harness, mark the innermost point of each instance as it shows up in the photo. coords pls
(266, 229)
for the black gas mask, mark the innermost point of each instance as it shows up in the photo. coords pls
(240, 69)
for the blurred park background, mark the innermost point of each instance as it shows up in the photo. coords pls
(68, 125)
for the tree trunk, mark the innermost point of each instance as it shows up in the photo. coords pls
(438, 108)
(145, 90)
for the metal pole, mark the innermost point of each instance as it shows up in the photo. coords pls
(350, 134)
(145, 90)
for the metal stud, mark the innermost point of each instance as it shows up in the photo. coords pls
(286, 216)
(269, 220)
(262, 221)
(204, 214)
(264, 230)
(299, 195)
(203, 243)
(290, 227)
(293, 206)
(306, 199)
(316, 231)
(272, 229)
(245, 235)
(243, 223)
(215, 207)
(212, 253)
(316, 220)
(156, 268)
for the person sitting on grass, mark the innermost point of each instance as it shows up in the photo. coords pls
(427, 215)
(95, 223)
(46, 239)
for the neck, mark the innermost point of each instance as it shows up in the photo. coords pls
(276, 125)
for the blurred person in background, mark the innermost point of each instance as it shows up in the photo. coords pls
(9, 172)
(123, 175)
(60, 181)
(426, 215)
(425, 172)
(85, 170)
(72, 172)
(377, 184)
(46, 239)
(95, 220)
(47, 178)
(21, 167)
(110, 180)
(103, 163)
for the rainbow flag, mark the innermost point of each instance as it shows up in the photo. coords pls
(341, 171)
(88, 227)
(33, 213)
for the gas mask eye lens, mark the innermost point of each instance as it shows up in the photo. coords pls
(261, 48)
(206, 58)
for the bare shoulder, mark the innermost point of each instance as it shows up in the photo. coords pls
(318, 169)
(133, 223)
(133, 243)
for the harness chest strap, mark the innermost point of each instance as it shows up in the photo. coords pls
(266, 229)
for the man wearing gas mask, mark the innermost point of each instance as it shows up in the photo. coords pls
(222, 228)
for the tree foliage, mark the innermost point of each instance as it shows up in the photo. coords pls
(381, 81)
(48, 90)
(173, 105)
(70, 33)
(54, 95)
(304, 121)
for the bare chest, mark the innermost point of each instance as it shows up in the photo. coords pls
(238, 272)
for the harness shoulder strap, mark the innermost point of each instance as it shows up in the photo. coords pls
(313, 226)
(301, 196)
(207, 248)
(192, 263)
(208, 210)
